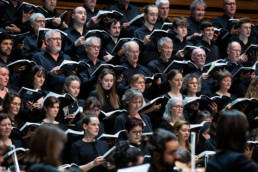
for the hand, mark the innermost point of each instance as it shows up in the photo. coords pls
(156, 107)
(93, 21)
(193, 36)
(180, 53)
(70, 116)
(205, 76)
(214, 107)
(98, 161)
(79, 41)
(146, 39)
(243, 58)
(56, 70)
(64, 25)
(233, 31)
(119, 78)
(56, 21)
(126, 25)
(12, 28)
(107, 57)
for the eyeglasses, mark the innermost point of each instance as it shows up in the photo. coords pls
(94, 47)
(137, 132)
(40, 21)
(134, 52)
(178, 107)
(56, 39)
(15, 104)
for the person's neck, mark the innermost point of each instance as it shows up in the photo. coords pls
(149, 26)
(4, 58)
(231, 16)
(78, 27)
(50, 119)
(6, 140)
(164, 59)
(88, 138)
(191, 94)
(180, 37)
(93, 59)
(175, 92)
(36, 87)
(243, 38)
(2, 88)
(115, 39)
(223, 91)
(134, 65)
(54, 55)
(207, 40)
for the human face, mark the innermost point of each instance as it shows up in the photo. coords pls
(176, 82)
(39, 22)
(198, 12)
(184, 132)
(53, 111)
(94, 110)
(133, 54)
(199, 57)
(170, 153)
(140, 84)
(135, 105)
(54, 43)
(163, 11)
(234, 52)
(166, 51)
(5, 127)
(15, 106)
(80, 16)
(39, 79)
(90, 3)
(74, 88)
(152, 15)
(93, 49)
(50, 4)
(225, 83)
(177, 109)
(230, 7)
(92, 128)
(208, 33)
(107, 81)
(4, 77)
(115, 29)
(245, 30)
(6, 47)
(135, 135)
(181, 31)
(193, 85)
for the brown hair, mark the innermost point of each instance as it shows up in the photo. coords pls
(114, 100)
(177, 126)
(252, 90)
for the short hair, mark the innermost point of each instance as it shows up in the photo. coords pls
(50, 33)
(71, 78)
(129, 95)
(89, 39)
(4, 116)
(164, 39)
(133, 122)
(158, 2)
(160, 137)
(135, 78)
(112, 21)
(243, 21)
(170, 103)
(223, 74)
(180, 21)
(195, 2)
(231, 43)
(231, 131)
(50, 101)
(189, 77)
(5, 36)
(86, 120)
(184, 155)
(205, 24)
(34, 16)
(128, 44)
(251, 90)
(146, 8)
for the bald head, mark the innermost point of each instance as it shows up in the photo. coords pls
(199, 57)
(234, 51)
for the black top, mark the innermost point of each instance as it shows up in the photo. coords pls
(84, 152)
(194, 26)
(121, 120)
(212, 53)
(227, 160)
(222, 22)
(141, 32)
(166, 125)
(30, 46)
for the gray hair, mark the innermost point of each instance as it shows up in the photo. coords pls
(197, 49)
(34, 16)
(158, 2)
(129, 95)
(49, 33)
(164, 39)
(195, 2)
(189, 77)
(71, 78)
(166, 115)
(128, 44)
(89, 39)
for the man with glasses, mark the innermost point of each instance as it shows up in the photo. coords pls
(37, 20)
(51, 58)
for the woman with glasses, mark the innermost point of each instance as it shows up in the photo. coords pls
(191, 85)
(173, 113)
